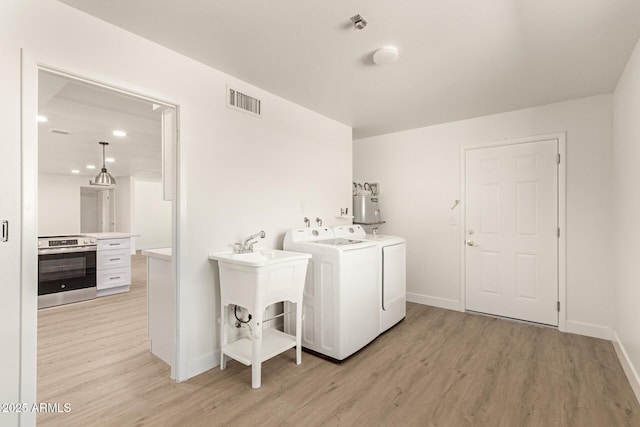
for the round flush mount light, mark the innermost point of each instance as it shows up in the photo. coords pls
(385, 55)
(119, 133)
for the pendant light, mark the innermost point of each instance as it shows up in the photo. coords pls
(104, 177)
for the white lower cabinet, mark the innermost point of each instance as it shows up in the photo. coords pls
(113, 266)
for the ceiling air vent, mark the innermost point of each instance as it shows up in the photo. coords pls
(60, 131)
(243, 102)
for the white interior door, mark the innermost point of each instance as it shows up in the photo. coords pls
(511, 231)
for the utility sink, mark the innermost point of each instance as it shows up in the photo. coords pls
(255, 280)
(260, 258)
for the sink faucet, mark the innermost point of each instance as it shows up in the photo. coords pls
(247, 244)
(319, 221)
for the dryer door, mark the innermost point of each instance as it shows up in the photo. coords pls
(394, 278)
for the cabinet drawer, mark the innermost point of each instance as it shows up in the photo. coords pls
(114, 259)
(108, 244)
(113, 278)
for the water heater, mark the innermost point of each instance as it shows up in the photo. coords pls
(366, 210)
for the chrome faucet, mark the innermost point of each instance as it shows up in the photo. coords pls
(247, 244)
(307, 223)
(319, 221)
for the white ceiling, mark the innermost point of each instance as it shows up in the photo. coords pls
(458, 58)
(91, 114)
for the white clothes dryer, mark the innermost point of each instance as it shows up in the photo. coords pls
(340, 302)
(392, 272)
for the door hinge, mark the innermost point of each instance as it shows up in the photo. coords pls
(558, 158)
(5, 231)
(558, 231)
(558, 306)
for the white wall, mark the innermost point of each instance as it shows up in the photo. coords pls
(151, 215)
(419, 174)
(238, 174)
(626, 212)
(59, 204)
(124, 204)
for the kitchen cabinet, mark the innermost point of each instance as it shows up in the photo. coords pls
(113, 265)
(161, 303)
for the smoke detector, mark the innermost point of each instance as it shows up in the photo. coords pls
(385, 55)
(358, 22)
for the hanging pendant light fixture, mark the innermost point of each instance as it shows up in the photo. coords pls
(104, 177)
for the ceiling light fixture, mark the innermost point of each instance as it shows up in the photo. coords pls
(42, 119)
(358, 22)
(91, 166)
(75, 171)
(104, 177)
(119, 133)
(109, 160)
(385, 55)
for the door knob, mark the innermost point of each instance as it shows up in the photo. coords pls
(471, 243)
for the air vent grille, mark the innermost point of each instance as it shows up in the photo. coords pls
(243, 102)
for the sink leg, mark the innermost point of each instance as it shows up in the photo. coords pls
(298, 332)
(256, 355)
(223, 335)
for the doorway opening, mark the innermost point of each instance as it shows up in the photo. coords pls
(93, 339)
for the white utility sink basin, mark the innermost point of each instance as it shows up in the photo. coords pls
(260, 258)
(255, 280)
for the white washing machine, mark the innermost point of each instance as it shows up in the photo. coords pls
(340, 304)
(392, 272)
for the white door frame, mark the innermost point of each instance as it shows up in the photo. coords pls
(29, 218)
(562, 259)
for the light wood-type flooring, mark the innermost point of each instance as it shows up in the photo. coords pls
(436, 368)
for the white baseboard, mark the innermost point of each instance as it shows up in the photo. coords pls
(587, 329)
(627, 366)
(449, 304)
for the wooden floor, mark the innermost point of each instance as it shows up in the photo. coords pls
(436, 368)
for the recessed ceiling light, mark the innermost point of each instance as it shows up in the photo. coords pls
(91, 166)
(42, 119)
(119, 133)
(75, 171)
(109, 160)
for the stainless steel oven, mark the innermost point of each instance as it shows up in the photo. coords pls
(66, 270)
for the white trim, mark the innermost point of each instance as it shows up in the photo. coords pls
(29, 233)
(588, 329)
(562, 199)
(449, 304)
(562, 223)
(627, 366)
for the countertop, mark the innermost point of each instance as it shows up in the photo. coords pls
(160, 253)
(111, 235)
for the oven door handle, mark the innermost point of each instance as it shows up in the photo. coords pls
(66, 250)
